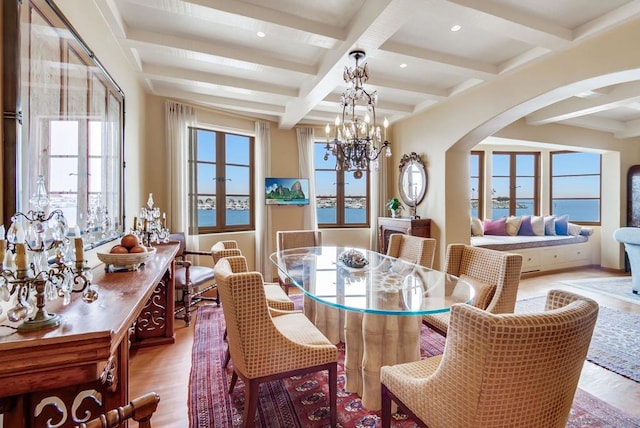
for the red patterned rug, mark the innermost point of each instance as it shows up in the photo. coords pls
(302, 401)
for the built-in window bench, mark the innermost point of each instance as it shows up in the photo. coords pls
(542, 253)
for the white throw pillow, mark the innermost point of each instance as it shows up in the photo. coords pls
(476, 227)
(574, 229)
(550, 225)
(537, 224)
(513, 225)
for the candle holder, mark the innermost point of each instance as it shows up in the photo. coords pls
(150, 226)
(27, 273)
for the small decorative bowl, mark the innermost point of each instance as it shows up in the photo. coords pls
(353, 259)
(129, 261)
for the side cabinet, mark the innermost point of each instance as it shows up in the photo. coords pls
(407, 226)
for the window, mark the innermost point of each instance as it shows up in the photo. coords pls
(341, 199)
(222, 176)
(575, 186)
(75, 170)
(514, 184)
(476, 172)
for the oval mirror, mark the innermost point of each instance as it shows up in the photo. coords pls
(412, 181)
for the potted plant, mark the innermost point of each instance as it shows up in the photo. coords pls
(395, 207)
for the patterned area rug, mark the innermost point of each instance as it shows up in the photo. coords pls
(615, 344)
(617, 286)
(302, 401)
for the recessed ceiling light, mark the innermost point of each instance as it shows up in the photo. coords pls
(260, 34)
(456, 28)
(403, 65)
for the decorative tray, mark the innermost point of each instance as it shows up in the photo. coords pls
(128, 262)
(353, 259)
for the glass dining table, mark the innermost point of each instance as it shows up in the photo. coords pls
(376, 299)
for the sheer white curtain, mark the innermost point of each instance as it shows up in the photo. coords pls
(377, 198)
(307, 169)
(179, 118)
(263, 213)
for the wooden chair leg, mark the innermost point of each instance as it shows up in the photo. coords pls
(234, 379)
(333, 394)
(227, 358)
(386, 407)
(250, 402)
(186, 301)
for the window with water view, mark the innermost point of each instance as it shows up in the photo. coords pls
(575, 185)
(514, 184)
(341, 199)
(222, 180)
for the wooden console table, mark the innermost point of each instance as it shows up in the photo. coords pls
(69, 374)
(406, 225)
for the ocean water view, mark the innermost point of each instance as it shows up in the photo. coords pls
(325, 215)
(582, 210)
(577, 210)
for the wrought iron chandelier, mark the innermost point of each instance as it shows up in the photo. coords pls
(357, 140)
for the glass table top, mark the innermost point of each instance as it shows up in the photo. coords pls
(384, 285)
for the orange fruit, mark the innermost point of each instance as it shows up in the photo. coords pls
(138, 249)
(129, 241)
(118, 249)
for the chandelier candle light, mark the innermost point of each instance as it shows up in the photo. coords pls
(29, 276)
(357, 141)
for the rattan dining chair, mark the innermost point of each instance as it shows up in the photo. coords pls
(226, 248)
(139, 409)
(498, 370)
(289, 239)
(495, 276)
(330, 321)
(414, 249)
(276, 299)
(266, 345)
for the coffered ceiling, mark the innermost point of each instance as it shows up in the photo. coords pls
(209, 52)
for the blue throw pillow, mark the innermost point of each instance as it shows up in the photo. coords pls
(562, 225)
(525, 227)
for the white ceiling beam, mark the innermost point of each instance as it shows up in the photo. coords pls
(575, 107)
(221, 50)
(454, 63)
(631, 129)
(461, 87)
(186, 76)
(505, 21)
(523, 59)
(222, 102)
(119, 28)
(272, 16)
(371, 27)
(382, 105)
(396, 85)
(611, 19)
(596, 123)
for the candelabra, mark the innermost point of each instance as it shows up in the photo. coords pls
(149, 226)
(27, 272)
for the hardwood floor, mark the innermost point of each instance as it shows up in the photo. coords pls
(165, 369)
